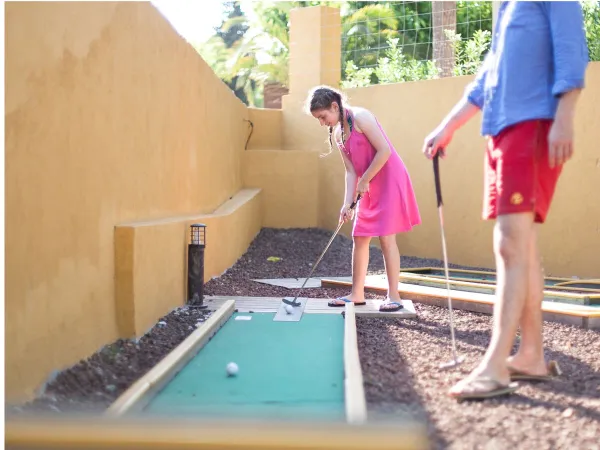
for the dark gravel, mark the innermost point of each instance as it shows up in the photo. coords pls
(400, 358)
(91, 385)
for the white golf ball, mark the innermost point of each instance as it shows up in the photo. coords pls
(232, 369)
(289, 309)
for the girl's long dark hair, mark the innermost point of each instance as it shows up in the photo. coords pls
(322, 97)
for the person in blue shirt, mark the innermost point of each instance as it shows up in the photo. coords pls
(526, 89)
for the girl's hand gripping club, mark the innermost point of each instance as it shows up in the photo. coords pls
(296, 303)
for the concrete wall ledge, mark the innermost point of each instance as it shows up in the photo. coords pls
(151, 258)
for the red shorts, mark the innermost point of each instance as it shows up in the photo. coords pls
(518, 177)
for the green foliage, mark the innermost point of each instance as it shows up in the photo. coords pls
(382, 42)
(397, 67)
(473, 16)
(356, 77)
(394, 67)
(469, 54)
(591, 17)
(231, 34)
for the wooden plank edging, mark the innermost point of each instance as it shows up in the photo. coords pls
(354, 394)
(186, 434)
(139, 394)
(415, 292)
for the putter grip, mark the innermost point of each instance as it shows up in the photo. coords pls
(436, 174)
(353, 205)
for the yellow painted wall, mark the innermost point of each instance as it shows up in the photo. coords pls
(151, 259)
(267, 131)
(570, 239)
(110, 117)
(290, 186)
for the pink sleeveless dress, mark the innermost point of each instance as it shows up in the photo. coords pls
(390, 205)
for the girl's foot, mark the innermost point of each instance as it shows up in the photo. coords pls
(341, 301)
(391, 305)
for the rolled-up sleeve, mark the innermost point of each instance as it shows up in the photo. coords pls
(568, 44)
(474, 92)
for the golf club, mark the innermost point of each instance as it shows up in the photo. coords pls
(296, 303)
(438, 191)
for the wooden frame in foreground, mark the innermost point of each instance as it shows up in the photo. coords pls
(181, 434)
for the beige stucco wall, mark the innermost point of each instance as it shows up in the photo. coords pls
(111, 117)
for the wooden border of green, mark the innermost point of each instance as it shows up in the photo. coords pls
(354, 393)
(472, 286)
(424, 294)
(123, 433)
(594, 281)
(478, 272)
(560, 288)
(140, 393)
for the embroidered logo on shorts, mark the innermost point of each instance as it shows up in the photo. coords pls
(516, 198)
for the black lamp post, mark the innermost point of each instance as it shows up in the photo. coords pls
(196, 265)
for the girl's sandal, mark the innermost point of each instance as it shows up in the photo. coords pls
(335, 303)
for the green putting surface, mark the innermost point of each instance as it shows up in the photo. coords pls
(287, 370)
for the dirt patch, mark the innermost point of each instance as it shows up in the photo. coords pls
(400, 358)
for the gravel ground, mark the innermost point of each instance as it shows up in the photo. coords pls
(399, 358)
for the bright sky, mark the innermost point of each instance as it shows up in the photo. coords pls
(195, 19)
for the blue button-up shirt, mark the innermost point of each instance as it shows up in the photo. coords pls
(538, 52)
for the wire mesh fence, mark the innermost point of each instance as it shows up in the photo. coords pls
(409, 40)
(366, 42)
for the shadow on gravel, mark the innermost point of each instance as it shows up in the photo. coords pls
(578, 410)
(578, 380)
(389, 382)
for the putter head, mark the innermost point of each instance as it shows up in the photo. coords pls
(452, 363)
(291, 302)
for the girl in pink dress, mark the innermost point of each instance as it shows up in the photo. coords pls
(375, 170)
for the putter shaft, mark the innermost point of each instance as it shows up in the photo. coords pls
(440, 202)
(293, 302)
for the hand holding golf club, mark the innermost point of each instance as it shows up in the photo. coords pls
(294, 302)
(346, 214)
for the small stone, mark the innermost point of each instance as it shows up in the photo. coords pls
(191, 327)
(111, 388)
(568, 412)
(162, 323)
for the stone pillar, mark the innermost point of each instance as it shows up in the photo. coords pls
(315, 59)
(444, 18)
(315, 48)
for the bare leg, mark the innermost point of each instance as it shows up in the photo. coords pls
(391, 258)
(513, 235)
(530, 356)
(360, 263)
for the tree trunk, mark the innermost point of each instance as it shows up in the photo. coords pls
(273, 93)
(444, 18)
